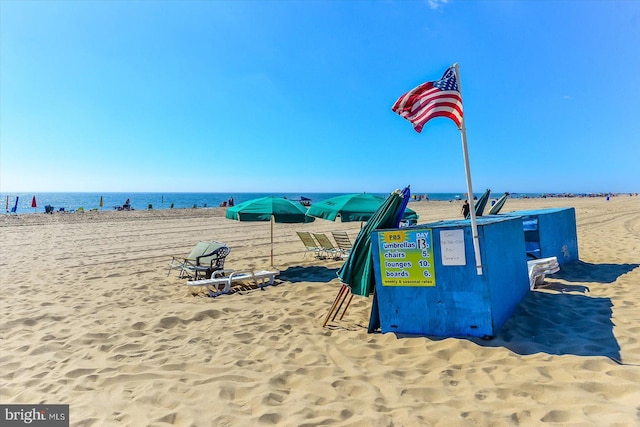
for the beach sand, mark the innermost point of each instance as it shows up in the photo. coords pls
(90, 318)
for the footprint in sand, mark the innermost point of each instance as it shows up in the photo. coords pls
(80, 372)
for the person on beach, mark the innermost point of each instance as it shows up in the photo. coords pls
(465, 209)
(127, 205)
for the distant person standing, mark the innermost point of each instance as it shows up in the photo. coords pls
(465, 209)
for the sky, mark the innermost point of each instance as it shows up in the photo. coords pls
(296, 96)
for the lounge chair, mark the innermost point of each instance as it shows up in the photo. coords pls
(205, 257)
(539, 268)
(225, 278)
(309, 243)
(343, 241)
(328, 249)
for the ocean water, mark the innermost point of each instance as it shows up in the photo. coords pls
(110, 201)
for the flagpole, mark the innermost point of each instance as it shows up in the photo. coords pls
(472, 209)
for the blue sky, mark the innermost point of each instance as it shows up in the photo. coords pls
(296, 96)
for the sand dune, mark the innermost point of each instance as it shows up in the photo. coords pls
(90, 318)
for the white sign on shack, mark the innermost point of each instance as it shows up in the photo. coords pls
(452, 247)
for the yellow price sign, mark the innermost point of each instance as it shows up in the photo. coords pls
(406, 258)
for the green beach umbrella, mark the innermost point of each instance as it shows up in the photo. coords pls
(272, 209)
(357, 271)
(352, 207)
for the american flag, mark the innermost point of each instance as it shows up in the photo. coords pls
(440, 98)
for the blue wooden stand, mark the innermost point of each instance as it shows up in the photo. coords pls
(456, 301)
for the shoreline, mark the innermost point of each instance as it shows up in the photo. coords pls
(494, 197)
(85, 202)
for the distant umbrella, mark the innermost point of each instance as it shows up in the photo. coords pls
(15, 208)
(34, 205)
(101, 204)
(6, 207)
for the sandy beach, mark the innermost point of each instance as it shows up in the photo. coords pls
(90, 318)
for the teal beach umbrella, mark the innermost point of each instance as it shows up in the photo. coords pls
(352, 207)
(357, 271)
(272, 209)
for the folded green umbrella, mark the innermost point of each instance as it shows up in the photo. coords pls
(357, 271)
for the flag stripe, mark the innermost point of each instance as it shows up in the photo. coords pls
(448, 96)
(440, 98)
(426, 114)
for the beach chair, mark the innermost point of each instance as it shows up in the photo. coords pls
(539, 268)
(343, 241)
(221, 281)
(201, 254)
(309, 243)
(207, 263)
(178, 262)
(328, 249)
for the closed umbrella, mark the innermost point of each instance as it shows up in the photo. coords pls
(352, 207)
(101, 204)
(482, 202)
(272, 209)
(357, 272)
(34, 205)
(14, 209)
(499, 204)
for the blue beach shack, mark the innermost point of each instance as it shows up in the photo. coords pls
(426, 279)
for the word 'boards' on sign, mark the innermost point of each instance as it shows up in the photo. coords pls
(406, 258)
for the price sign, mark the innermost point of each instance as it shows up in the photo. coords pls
(406, 258)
